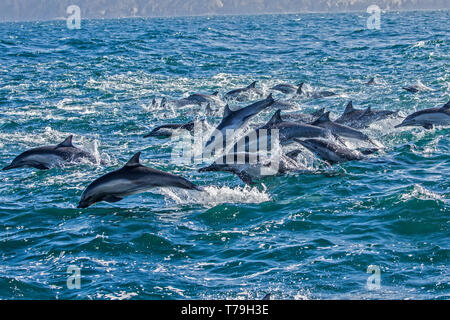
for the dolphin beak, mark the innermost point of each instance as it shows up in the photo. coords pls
(82, 205)
(9, 167)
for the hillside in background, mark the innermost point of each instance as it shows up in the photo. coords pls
(54, 9)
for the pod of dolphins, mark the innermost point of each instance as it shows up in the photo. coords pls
(317, 132)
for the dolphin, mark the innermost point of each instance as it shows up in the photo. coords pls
(286, 88)
(314, 94)
(371, 82)
(428, 118)
(362, 118)
(302, 117)
(340, 130)
(166, 130)
(281, 104)
(239, 118)
(131, 179)
(200, 98)
(242, 94)
(419, 86)
(290, 130)
(330, 151)
(251, 166)
(45, 157)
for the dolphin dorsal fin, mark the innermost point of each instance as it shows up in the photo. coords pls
(252, 85)
(276, 118)
(66, 143)
(227, 111)
(446, 106)
(299, 89)
(368, 110)
(134, 161)
(323, 118)
(349, 108)
(270, 96)
(215, 93)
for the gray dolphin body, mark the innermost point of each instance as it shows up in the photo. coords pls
(131, 179)
(329, 151)
(200, 98)
(362, 118)
(314, 94)
(237, 119)
(286, 88)
(341, 130)
(251, 165)
(46, 157)
(289, 130)
(242, 94)
(428, 118)
(302, 117)
(166, 130)
(281, 104)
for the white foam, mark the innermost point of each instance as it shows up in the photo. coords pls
(213, 195)
(421, 193)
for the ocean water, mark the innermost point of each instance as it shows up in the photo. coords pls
(298, 236)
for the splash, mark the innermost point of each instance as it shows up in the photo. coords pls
(213, 195)
(421, 193)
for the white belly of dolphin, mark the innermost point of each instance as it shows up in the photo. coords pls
(122, 187)
(49, 160)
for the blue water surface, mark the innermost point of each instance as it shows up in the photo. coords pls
(299, 236)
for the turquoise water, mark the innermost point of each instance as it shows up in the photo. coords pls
(300, 236)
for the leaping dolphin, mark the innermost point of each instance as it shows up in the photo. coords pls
(287, 88)
(314, 94)
(46, 157)
(329, 151)
(131, 179)
(200, 98)
(237, 119)
(290, 130)
(341, 130)
(166, 130)
(242, 94)
(362, 118)
(428, 118)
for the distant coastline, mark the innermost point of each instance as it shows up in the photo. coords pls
(47, 10)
